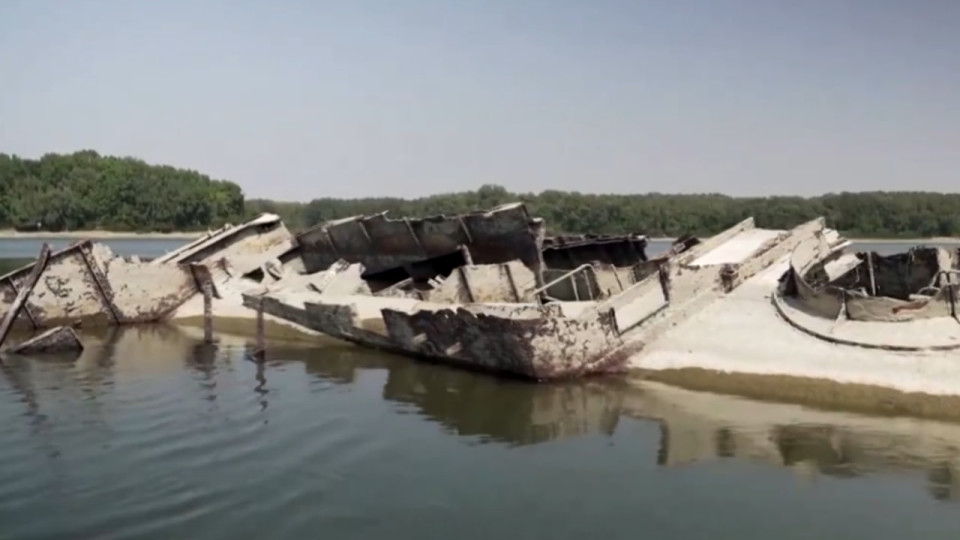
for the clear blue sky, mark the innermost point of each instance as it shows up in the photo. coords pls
(296, 99)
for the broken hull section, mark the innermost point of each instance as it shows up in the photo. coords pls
(380, 243)
(533, 340)
(86, 284)
(525, 340)
(796, 332)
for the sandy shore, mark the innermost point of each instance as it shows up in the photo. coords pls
(106, 235)
(935, 240)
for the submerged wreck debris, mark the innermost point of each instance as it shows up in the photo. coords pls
(570, 251)
(241, 249)
(901, 302)
(522, 331)
(57, 339)
(382, 244)
(23, 291)
(490, 291)
(918, 284)
(86, 283)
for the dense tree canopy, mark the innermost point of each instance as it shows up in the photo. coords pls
(873, 214)
(87, 191)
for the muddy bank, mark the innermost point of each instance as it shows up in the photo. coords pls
(817, 393)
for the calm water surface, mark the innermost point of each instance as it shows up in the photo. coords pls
(28, 248)
(150, 435)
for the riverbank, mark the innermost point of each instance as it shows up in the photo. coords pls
(7, 234)
(861, 240)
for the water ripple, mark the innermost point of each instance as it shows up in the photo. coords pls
(148, 438)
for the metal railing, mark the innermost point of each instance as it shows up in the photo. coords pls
(569, 275)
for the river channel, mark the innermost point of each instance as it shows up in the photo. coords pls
(151, 435)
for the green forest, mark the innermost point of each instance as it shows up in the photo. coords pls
(859, 215)
(85, 190)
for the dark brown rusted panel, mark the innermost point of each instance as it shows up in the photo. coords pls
(201, 274)
(100, 283)
(570, 251)
(39, 266)
(503, 234)
(26, 307)
(505, 344)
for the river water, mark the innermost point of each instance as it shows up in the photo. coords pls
(149, 434)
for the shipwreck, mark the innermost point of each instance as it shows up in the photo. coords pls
(491, 290)
(86, 284)
(546, 308)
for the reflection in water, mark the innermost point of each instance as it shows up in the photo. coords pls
(261, 387)
(496, 409)
(694, 426)
(117, 368)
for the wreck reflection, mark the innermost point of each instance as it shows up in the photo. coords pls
(696, 428)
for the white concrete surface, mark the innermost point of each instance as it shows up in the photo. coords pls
(230, 304)
(936, 332)
(742, 333)
(738, 248)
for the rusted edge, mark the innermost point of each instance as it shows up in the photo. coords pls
(21, 298)
(466, 284)
(363, 229)
(513, 282)
(467, 257)
(204, 276)
(333, 246)
(466, 230)
(416, 238)
(100, 286)
(26, 307)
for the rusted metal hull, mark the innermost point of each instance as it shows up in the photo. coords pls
(570, 251)
(54, 340)
(545, 342)
(380, 243)
(86, 284)
(524, 340)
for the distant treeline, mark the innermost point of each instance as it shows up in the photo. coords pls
(871, 214)
(85, 190)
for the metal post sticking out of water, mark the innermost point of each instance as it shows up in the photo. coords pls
(207, 312)
(873, 279)
(260, 351)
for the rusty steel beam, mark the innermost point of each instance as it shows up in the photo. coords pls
(26, 307)
(99, 286)
(466, 284)
(28, 286)
(513, 283)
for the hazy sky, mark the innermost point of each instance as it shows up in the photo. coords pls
(296, 99)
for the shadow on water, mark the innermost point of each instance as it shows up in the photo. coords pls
(695, 427)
